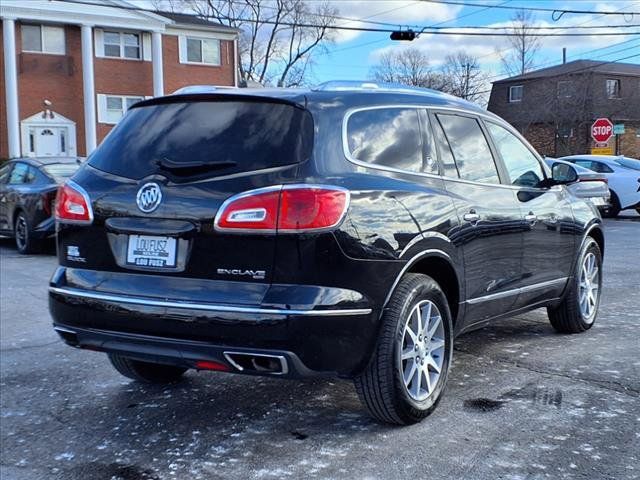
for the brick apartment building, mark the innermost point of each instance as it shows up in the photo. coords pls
(555, 107)
(71, 69)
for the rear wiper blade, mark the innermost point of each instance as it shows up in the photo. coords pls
(195, 166)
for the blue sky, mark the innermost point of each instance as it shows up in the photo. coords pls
(352, 55)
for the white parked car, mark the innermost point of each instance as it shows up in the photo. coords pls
(592, 186)
(623, 174)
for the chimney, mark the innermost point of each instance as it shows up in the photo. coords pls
(564, 55)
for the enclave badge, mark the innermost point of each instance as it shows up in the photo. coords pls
(149, 197)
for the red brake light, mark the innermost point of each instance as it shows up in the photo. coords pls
(73, 204)
(311, 208)
(289, 208)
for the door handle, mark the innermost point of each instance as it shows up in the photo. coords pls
(531, 217)
(471, 217)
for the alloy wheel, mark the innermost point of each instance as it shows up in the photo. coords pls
(423, 350)
(589, 287)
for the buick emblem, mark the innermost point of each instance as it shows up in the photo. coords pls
(149, 197)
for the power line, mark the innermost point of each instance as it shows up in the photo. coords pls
(433, 25)
(561, 11)
(378, 30)
(577, 70)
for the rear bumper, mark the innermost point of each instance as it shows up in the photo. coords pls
(314, 339)
(181, 353)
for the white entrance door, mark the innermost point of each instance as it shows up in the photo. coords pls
(50, 141)
(48, 134)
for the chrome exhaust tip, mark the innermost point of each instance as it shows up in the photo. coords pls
(257, 363)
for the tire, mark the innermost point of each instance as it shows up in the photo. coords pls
(614, 209)
(571, 316)
(381, 386)
(146, 372)
(25, 243)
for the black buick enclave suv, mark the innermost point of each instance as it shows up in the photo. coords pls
(344, 230)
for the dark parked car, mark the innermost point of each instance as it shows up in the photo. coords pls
(347, 231)
(28, 189)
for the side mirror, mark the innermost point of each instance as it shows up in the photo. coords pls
(562, 174)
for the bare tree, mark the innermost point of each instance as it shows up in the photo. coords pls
(523, 45)
(409, 67)
(278, 37)
(463, 77)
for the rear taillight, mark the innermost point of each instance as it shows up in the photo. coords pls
(603, 179)
(73, 204)
(284, 209)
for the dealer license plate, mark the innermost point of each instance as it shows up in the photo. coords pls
(151, 251)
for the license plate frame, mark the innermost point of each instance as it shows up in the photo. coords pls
(152, 251)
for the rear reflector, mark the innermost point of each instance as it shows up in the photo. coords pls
(284, 209)
(73, 204)
(209, 365)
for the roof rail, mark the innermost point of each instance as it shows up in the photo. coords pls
(371, 86)
(189, 89)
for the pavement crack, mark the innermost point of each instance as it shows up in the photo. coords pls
(606, 384)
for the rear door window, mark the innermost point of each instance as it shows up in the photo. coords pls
(4, 173)
(522, 166)
(19, 174)
(470, 148)
(205, 138)
(388, 137)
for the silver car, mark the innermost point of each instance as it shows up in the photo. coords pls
(592, 186)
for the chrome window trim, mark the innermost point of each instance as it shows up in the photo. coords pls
(429, 108)
(73, 292)
(516, 291)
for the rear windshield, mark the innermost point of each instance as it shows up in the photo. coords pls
(184, 140)
(60, 170)
(631, 163)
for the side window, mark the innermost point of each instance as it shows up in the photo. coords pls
(470, 148)
(446, 157)
(386, 136)
(601, 167)
(522, 166)
(19, 174)
(4, 173)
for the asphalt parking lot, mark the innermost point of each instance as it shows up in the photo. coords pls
(522, 403)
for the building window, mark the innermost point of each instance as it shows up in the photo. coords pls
(43, 39)
(203, 50)
(515, 93)
(565, 89)
(111, 108)
(613, 88)
(121, 45)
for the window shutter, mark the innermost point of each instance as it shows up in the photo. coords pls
(98, 42)
(102, 108)
(182, 49)
(146, 46)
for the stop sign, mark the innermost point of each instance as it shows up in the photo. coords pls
(602, 130)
